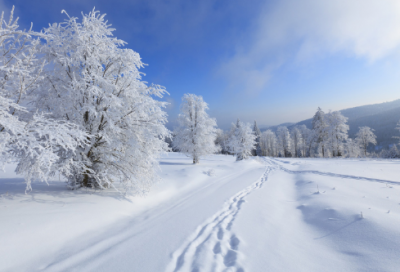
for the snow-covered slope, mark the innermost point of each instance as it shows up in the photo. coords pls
(221, 215)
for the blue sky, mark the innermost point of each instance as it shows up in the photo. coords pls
(270, 61)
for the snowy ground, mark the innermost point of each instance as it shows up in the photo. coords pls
(221, 215)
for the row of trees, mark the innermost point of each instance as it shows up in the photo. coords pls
(198, 135)
(327, 138)
(72, 102)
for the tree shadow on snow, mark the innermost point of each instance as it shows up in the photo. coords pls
(11, 188)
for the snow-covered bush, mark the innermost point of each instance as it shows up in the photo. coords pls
(197, 132)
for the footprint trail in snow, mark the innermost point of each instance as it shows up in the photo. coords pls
(214, 247)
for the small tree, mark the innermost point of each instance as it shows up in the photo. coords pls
(197, 132)
(364, 137)
(242, 140)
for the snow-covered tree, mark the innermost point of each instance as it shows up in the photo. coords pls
(256, 131)
(197, 132)
(336, 131)
(319, 128)
(305, 137)
(268, 143)
(38, 144)
(297, 141)
(242, 140)
(222, 141)
(364, 137)
(284, 141)
(352, 148)
(95, 83)
(391, 153)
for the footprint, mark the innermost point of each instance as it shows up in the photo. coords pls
(220, 234)
(239, 203)
(234, 242)
(217, 248)
(230, 258)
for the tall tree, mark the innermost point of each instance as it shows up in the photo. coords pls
(38, 144)
(197, 132)
(305, 140)
(284, 141)
(364, 137)
(256, 131)
(93, 81)
(268, 143)
(336, 131)
(319, 127)
(297, 141)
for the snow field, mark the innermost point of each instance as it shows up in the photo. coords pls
(261, 214)
(311, 221)
(60, 230)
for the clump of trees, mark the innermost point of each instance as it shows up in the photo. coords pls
(72, 101)
(327, 138)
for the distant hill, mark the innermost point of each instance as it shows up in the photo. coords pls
(273, 128)
(381, 117)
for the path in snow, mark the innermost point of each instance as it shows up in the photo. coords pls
(273, 161)
(214, 247)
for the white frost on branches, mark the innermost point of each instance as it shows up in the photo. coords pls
(242, 140)
(75, 104)
(364, 137)
(96, 84)
(40, 145)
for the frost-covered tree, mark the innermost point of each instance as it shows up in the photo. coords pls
(319, 128)
(242, 140)
(391, 153)
(305, 138)
(336, 131)
(364, 137)
(284, 141)
(352, 148)
(256, 131)
(297, 141)
(222, 141)
(40, 146)
(94, 82)
(197, 132)
(268, 143)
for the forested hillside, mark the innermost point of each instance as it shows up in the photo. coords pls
(381, 117)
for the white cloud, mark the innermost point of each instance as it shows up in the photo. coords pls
(294, 30)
